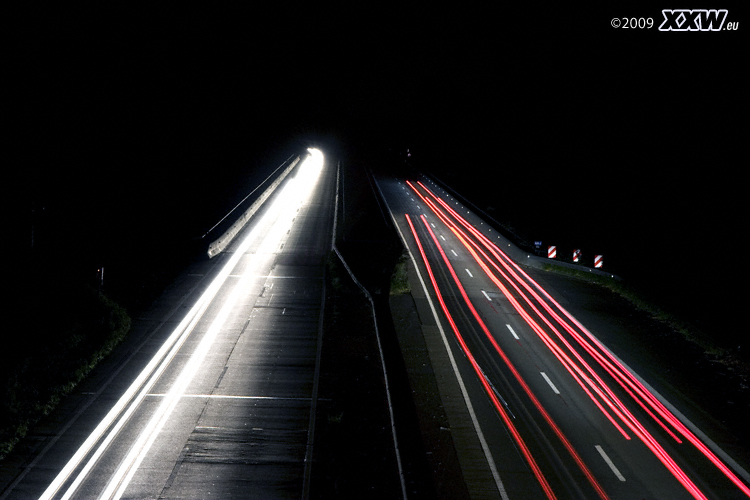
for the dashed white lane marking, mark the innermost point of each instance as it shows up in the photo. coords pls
(609, 462)
(511, 331)
(550, 383)
(454, 252)
(487, 296)
(433, 225)
(471, 275)
(442, 237)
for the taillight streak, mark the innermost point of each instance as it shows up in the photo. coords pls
(615, 373)
(622, 376)
(558, 432)
(482, 378)
(571, 367)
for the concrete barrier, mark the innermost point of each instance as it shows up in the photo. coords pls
(223, 241)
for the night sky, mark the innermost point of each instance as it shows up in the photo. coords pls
(629, 141)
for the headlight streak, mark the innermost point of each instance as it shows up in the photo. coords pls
(296, 188)
(485, 383)
(547, 417)
(642, 396)
(293, 196)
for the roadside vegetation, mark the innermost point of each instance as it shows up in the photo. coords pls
(720, 354)
(63, 331)
(399, 278)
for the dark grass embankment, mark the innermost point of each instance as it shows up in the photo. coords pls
(684, 281)
(62, 330)
(711, 350)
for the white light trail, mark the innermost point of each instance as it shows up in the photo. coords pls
(293, 195)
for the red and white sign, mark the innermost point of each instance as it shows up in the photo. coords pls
(598, 260)
(551, 252)
(576, 255)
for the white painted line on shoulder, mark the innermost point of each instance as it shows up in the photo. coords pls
(512, 332)
(550, 383)
(462, 386)
(609, 462)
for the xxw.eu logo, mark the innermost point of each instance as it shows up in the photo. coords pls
(693, 20)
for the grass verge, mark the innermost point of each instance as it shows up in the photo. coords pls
(67, 332)
(689, 332)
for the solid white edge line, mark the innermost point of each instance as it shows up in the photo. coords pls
(731, 462)
(464, 393)
(550, 382)
(609, 462)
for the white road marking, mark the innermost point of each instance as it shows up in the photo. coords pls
(485, 294)
(609, 462)
(442, 237)
(433, 225)
(511, 331)
(469, 273)
(454, 366)
(454, 252)
(550, 383)
(226, 396)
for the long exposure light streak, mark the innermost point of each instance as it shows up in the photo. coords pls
(519, 280)
(485, 383)
(556, 429)
(296, 190)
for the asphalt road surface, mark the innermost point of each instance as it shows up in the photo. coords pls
(215, 395)
(557, 415)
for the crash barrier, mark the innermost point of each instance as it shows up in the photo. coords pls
(221, 243)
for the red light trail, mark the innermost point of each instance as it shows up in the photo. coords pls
(496, 265)
(482, 378)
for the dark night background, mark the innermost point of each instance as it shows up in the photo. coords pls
(626, 143)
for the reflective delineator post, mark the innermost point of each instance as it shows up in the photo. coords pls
(551, 252)
(576, 255)
(598, 261)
